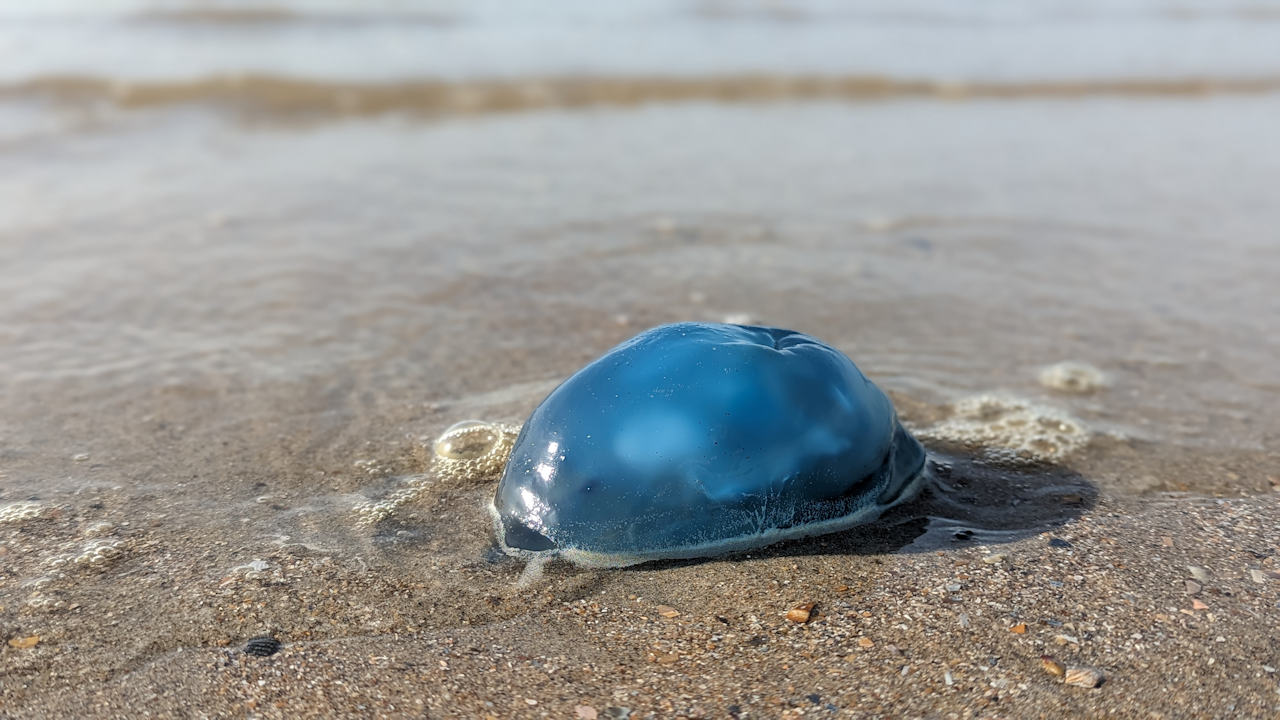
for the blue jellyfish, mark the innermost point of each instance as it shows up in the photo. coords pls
(696, 439)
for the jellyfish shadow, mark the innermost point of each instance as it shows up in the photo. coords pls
(966, 500)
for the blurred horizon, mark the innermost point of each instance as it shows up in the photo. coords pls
(924, 40)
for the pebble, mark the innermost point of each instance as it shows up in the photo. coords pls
(1019, 629)
(1066, 639)
(1197, 605)
(866, 642)
(80, 457)
(262, 646)
(1053, 667)
(1258, 576)
(1193, 587)
(667, 611)
(585, 712)
(22, 643)
(1059, 543)
(1198, 573)
(994, 559)
(801, 612)
(1084, 677)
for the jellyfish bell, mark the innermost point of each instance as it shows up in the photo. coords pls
(696, 439)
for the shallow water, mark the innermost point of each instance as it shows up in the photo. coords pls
(227, 315)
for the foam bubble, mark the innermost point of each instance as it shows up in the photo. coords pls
(99, 553)
(1010, 429)
(98, 529)
(473, 449)
(370, 513)
(20, 511)
(1073, 377)
(469, 451)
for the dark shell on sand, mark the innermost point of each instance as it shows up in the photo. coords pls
(262, 646)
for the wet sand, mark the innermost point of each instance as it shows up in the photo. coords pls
(240, 300)
(184, 533)
(955, 627)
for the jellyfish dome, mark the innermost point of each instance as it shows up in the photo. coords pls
(696, 439)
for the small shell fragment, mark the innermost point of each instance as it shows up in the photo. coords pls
(262, 646)
(1053, 667)
(22, 643)
(667, 611)
(801, 612)
(1085, 677)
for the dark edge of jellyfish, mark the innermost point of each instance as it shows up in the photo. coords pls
(958, 496)
(522, 537)
(904, 467)
(747, 543)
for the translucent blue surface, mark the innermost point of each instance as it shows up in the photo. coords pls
(697, 438)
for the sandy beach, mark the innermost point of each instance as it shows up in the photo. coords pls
(258, 258)
(956, 631)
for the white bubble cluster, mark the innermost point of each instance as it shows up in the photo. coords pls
(1010, 429)
(95, 554)
(1073, 377)
(370, 513)
(20, 511)
(469, 451)
(473, 449)
(99, 553)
